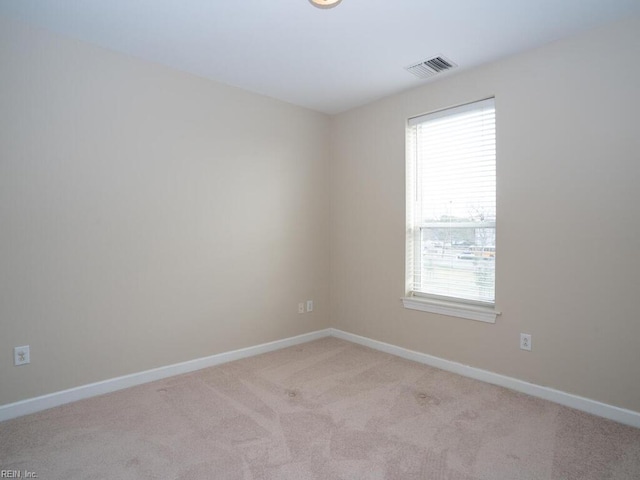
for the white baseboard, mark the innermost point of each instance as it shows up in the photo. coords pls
(32, 405)
(621, 415)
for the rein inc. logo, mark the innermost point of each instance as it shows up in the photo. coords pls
(17, 474)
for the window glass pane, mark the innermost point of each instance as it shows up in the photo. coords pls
(452, 203)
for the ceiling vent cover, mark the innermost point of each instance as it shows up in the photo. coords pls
(430, 67)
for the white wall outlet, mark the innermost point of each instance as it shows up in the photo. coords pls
(309, 305)
(301, 307)
(21, 355)
(525, 341)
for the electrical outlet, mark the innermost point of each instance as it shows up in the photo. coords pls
(309, 305)
(525, 341)
(21, 355)
(301, 307)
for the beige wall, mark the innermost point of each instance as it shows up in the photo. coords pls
(568, 267)
(148, 217)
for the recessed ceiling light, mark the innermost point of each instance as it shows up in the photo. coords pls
(325, 3)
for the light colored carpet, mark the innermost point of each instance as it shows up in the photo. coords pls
(327, 409)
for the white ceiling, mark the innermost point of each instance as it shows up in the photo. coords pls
(326, 60)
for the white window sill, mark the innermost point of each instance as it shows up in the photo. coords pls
(453, 309)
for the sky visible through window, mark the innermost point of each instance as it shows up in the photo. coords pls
(457, 168)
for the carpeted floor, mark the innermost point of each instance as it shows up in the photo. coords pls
(327, 409)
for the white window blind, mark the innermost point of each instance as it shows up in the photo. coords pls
(451, 204)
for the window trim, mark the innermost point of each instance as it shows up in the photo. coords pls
(452, 308)
(448, 306)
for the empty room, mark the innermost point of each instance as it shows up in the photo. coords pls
(320, 239)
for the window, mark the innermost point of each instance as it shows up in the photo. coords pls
(451, 211)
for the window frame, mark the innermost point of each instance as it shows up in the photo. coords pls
(444, 305)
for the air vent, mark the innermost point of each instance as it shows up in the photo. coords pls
(431, 67)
